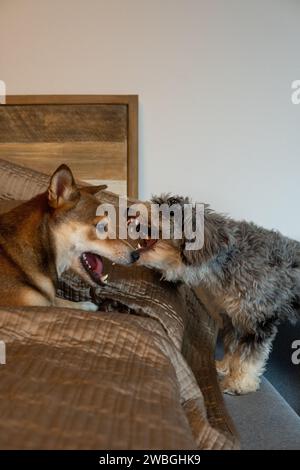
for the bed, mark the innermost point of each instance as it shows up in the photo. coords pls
(137, 374)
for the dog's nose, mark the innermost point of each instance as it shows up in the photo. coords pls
(135, 256)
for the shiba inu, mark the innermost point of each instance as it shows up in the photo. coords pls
(253, 273)
(47, 235)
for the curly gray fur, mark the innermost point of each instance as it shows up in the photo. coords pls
(256, 273)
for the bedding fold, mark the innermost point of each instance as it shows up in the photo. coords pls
(80, 380)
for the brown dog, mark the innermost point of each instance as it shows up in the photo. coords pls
(47, 235)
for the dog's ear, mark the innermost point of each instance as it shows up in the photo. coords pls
(93, 189)
(62, 190)
(216, 239)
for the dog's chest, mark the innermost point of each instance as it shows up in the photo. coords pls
(195, 275)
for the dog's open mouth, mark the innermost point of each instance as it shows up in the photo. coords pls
(146, 243)
(93, 264)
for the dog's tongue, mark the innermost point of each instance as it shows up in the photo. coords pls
(95, 262)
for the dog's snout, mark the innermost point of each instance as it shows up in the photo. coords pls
(135, 256)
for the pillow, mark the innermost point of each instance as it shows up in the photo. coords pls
(20, 183)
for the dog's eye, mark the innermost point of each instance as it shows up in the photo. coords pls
(101, 226)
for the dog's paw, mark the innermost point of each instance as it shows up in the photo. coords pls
(222, 367)
(88, 306)
(241, 386)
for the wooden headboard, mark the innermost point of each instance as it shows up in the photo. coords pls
(96, 135)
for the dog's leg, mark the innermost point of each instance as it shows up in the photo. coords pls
(28, 297)
(229, 341)
(88, 306)
(247, 361)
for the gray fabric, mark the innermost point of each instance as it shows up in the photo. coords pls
(264, 420)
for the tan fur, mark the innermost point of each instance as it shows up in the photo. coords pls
(29, 297)
(45, 284)
(165, 258)
(240, 373)
(43, 237)
(88, 306)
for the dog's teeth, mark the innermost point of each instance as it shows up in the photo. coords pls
(113, 264)
(139, 246)
(104, 278)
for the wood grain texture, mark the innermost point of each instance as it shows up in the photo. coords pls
(63, 123)
(132, 143)
(97, 135)
(93, 160)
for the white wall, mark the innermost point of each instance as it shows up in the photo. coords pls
(214, 79)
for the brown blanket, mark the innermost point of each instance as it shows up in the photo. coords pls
(98, 381)
(144, 378)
